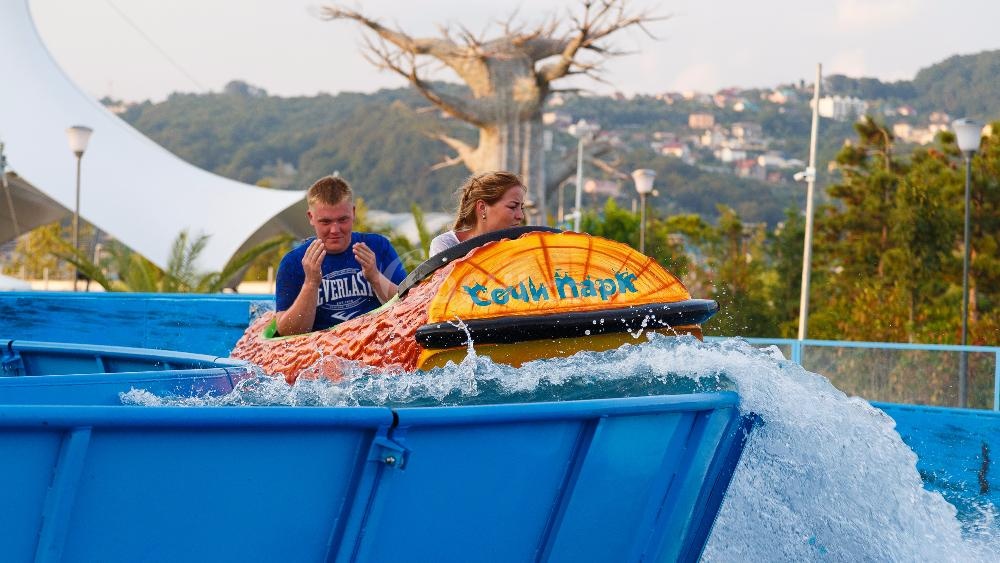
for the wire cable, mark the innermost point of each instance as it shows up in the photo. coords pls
(159, 49)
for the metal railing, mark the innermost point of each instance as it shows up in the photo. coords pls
(923, 374)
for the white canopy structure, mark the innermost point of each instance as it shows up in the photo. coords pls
(31, 208)
(131, 188)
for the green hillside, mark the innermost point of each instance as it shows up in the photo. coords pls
(381, 141)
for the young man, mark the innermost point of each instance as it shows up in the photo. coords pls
(339, 274)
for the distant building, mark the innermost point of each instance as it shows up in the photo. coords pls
(748, 168)
(747, 131)
(771, 160)
(698, 97)
(701, 121)
(727, 154)
(670, 98)
(678, 150)
(939, 117)
(557, 118)
(724, 98)
(916, 135)
(116, 107)
(841, 108)
(902, 131)
(714, 137)
(607, 188)
(743, 104)
(781, 96)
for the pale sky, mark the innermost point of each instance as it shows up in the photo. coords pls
(145, 49)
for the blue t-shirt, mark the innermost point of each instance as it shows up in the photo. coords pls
(344, 292)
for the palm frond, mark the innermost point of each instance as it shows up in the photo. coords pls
(422, 230)
(216, 281)
(82, 262)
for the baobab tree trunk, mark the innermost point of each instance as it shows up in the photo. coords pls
(509, 80)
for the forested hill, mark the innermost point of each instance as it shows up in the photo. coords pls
(961, 85)
(383, 142)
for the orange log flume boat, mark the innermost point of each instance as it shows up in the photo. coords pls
(515, 295)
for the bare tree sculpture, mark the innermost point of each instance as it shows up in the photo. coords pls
(509, 79)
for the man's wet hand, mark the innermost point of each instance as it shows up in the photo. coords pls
(366, 257)
(312, 262)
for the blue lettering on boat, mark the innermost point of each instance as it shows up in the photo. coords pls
(565, 288)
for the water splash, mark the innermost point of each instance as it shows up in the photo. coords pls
(825, 476)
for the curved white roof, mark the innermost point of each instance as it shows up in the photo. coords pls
(131, 188)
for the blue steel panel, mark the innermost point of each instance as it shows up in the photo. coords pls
(585, 480)
(635, 456)
(432, 416)
(232, 495)
(104, 389)
(62, 317)
(29, 457)
(714, 488)
(46, 363)
(173, 484)
(43, 417)
(57, 358)
(956, 449)
(62, 494)
(472, 492)
(672, 530)
(209, 324)
(523, 473)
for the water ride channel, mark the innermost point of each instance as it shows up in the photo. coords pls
(536, 396)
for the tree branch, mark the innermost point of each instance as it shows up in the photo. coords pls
(438, 48)
(467, 154)
(405, 65)
(600, 19)
(447, 163)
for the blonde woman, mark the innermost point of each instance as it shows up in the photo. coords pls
(489, 202)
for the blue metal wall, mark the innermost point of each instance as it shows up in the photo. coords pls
(635, 479)
(203, 324)
(958, 450)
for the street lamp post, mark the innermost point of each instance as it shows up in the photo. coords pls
(643, 179)
(584, 131)
(79, 136)
(968, 134)
(560, 212)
